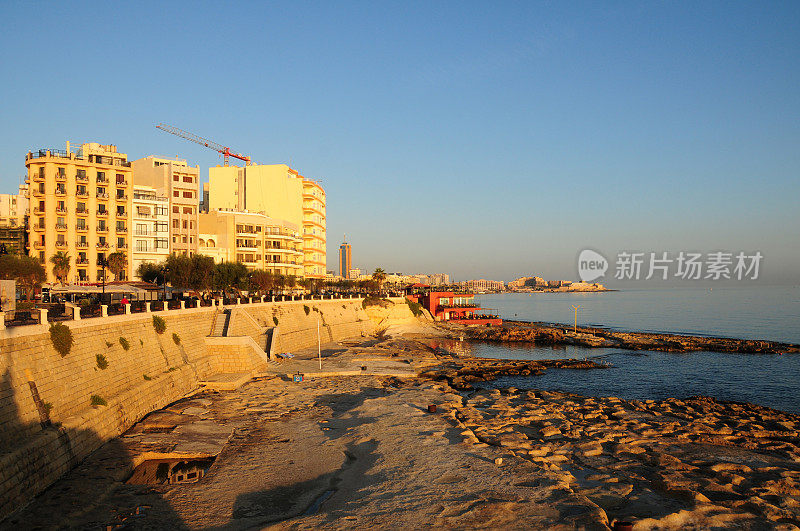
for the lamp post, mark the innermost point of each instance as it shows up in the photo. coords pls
(164, 271)
(102, 262)
(575, 326)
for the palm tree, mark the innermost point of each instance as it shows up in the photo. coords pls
(117, 262)
(61, 265)
(379, 276)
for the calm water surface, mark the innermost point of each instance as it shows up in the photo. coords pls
(771, 313)
(768, 380)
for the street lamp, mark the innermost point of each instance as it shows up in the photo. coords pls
(102, 262)
(164, 271)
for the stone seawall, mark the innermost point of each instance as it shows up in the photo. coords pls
(48, 422)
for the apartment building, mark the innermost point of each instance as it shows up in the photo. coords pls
(257, 241)
(150, 221)
(80, 203)
(180, 183)
(314, 232)
(277, 191)
(14, 208)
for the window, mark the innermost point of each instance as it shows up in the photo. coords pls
(121, 243)
(176, 224)
(162, 211)
(188, 179)
(141, 229)
(176, 193)
(185, 224)
(41, 256)
(188, 194)
(141, 245)
(81, 223)
(188, 210)
(82, 173)
(184, 239)
(162, 226)
(162, 243)
(176, 210)
(176, 178)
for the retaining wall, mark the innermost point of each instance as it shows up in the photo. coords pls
(47, 421)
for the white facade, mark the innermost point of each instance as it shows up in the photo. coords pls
(14, 208)
(150, 221)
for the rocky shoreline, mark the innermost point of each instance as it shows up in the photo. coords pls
(368, 451)
(555, 334)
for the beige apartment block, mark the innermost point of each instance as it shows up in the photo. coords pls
(314, 232)
(150, 222)
(277, 191)
(80, 203)
(180, 183)
(255, 240)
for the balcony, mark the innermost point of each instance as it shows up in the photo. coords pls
(82, 245)
(102, 195)
(38, 211)
(102, 180)
(122, 214)
(61, 245)
(61, 210)
(61, 176)
(122, 230)
(61, 191)
(101, 245)
(82, 178)
(102, 229)
(39, 228)
(102, 212)
(122, 182)
(123, 197)
(122, 246)
(82, 262)
(37, 177)
(82, 194)
(82, 228)
(37, 193)
(38, 245)
(81, 212)
(61, 226)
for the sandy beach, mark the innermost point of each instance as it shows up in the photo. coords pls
(362, 450)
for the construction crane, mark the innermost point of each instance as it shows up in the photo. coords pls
(226, 151)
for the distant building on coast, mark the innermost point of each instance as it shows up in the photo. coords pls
(483, 285)
(458, 306)
(345, 260)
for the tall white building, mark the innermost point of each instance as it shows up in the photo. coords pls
(150, 220)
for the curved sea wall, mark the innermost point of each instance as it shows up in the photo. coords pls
(55, 411)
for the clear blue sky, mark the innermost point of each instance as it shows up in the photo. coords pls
(491, 139)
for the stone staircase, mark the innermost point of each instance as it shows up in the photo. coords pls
(221, 322)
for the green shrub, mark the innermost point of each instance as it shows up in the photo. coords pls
(48, 406)
(159, 324)
(171, 369)
(306, 309)
(124, 343)
(109, 344)
(102, 362)
(98, 400)
(61, 337)
(415, 307)
(141, 341)
(275, 320)
(176, 338)
(146, 377)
